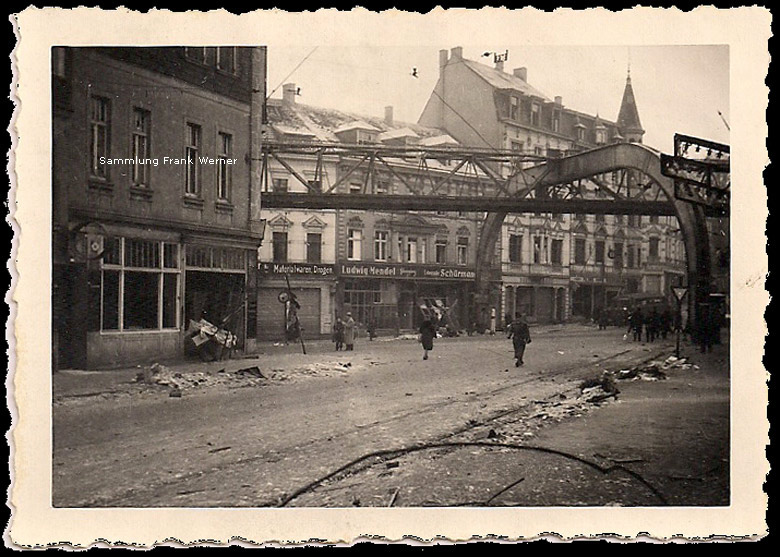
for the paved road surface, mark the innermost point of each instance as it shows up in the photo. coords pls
(254, 446)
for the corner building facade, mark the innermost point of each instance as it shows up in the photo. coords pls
(155, 223)
(556, 267)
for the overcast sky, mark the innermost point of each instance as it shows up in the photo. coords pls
(677, 88)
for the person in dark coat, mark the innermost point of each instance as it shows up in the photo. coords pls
(652, 325)
(666, 322)
(520, 335)
(338, 334)
(427, 334)
(635, 324)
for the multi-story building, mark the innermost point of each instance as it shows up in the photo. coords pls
(389, 268)
(155, 222)
(556, 266)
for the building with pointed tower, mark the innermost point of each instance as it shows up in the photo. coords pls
(555, 267)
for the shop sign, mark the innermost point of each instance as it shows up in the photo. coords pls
(379, 270)
(297, 269)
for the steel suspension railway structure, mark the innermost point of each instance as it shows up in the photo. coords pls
(621, 178)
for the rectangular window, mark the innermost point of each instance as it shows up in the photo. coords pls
(191, 153)
(423, 251)
(600, 251)
(513, 108)
(313, 247)
(355, 187)
(224, 174)
(280, 185)
(515, 248)
(196, 53)
(315, 186)
(411, 250)
(556, 122)
(463, 251)
(140, 146)
(382, 187)
(226, 59)
(535, 114)
(579, 251)
(100, 122)
(58, 63)
(169, 300)
(380, 245)
(354, 244)
(653, 253)
(556, 252)
(537, 249)
(280, 247)
(141, 307)
(441, 251)
(630, 255)
(110, 303)
(618, 255)
(653, 219)
(142, 254)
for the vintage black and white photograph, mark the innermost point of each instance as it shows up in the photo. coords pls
(455, 274)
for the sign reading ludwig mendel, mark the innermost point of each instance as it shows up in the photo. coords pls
(405, 272)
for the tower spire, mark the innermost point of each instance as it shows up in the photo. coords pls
(628, 118)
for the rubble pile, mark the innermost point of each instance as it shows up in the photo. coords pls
(160, 375)
(654, 370)
(596, 390)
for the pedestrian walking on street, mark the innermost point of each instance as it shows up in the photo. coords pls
(602, 319)
(636, 322)
(651, 326)
(520, 335)
(349, 332)
(427, 334)
(338, 334)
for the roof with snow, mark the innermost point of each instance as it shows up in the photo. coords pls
(502, 80)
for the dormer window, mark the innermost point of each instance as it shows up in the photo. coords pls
(513, 105)
(601, 137)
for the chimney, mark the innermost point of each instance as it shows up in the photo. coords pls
(389, 115)
(457, 52)
(289, 90)
(500, 65)
(559, 100)
(522, 73)
(443, 58)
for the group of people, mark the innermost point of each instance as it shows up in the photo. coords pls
(344, 333)
(654, 324)
(517, 330)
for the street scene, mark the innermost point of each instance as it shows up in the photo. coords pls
(448, 277)
(613, 422)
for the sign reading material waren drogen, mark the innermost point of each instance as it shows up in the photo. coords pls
(314, 269)
(380, 270)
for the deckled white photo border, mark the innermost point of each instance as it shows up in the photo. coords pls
(35, 523)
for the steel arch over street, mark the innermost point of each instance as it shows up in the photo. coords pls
(607, 159)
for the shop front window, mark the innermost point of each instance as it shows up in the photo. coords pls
(139, 285)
